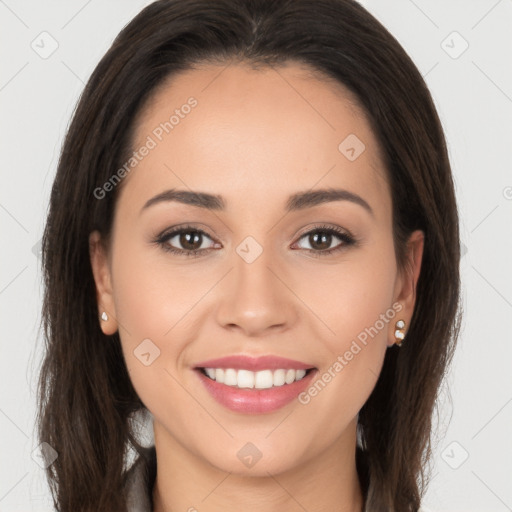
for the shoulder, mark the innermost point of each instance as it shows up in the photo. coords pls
(139, 481)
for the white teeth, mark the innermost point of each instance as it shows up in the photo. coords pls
(263, 379)
(279, 377)
(230, 378)
(290, 376)
(245, 379)
(299, 374)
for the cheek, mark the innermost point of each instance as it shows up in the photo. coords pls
(351, 297)
(149, 306)
(151, 296)
(355, 302)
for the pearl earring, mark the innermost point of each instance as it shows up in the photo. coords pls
(104, 316)
(399, 332)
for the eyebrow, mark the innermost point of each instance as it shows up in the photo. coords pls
(296, 202)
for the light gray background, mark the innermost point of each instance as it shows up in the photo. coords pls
(473, 94)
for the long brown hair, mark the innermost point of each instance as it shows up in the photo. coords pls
(86, 398)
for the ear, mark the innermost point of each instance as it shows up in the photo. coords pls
(405, 287)
(102, 277)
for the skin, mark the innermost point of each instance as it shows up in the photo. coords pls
(255, 137)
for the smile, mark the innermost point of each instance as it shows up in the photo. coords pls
(264, 379)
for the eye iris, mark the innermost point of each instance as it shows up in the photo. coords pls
(188, 239)
(325, 240)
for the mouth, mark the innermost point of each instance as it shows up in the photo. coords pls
(263, 379)
(254, 385)
(255, 392)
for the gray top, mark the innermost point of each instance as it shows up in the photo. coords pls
(140, 479)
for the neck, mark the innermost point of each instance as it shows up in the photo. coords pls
(329, 481)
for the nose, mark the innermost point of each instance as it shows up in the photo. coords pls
(255, 298)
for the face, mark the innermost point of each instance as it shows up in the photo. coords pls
(266, 280)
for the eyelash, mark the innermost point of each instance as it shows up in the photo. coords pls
(347, 240)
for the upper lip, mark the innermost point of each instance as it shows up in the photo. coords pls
(244, 362)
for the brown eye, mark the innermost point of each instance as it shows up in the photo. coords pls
(190, 240)
(320, 240)
(185, 241)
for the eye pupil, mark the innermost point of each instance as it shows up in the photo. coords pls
(325, 240)
(187, 239)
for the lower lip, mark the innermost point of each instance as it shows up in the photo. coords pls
(255, 401)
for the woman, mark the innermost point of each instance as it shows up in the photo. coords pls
(252, 238)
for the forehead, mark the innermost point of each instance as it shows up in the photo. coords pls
(268, 132)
